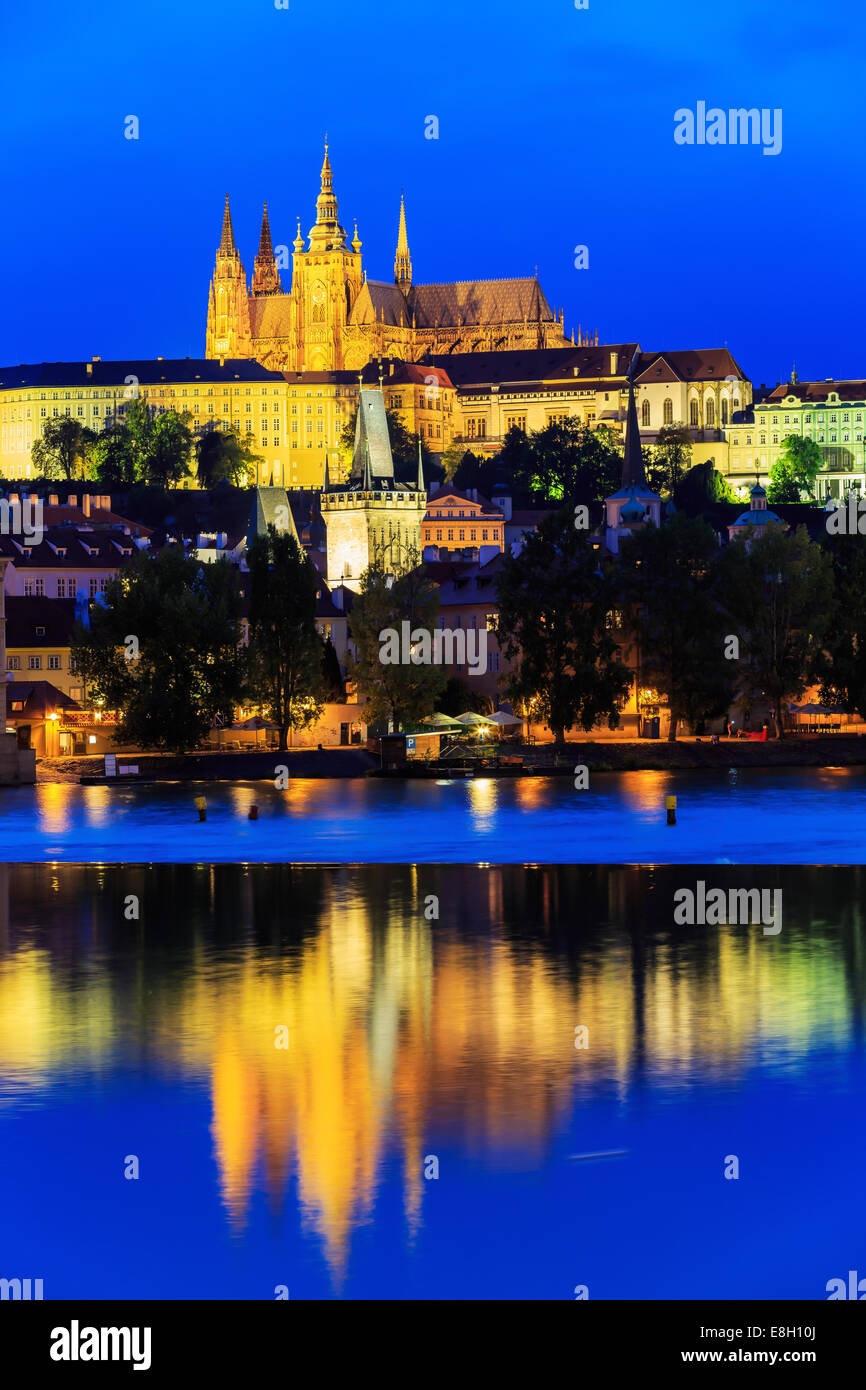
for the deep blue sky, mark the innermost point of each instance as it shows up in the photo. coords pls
(556, 128)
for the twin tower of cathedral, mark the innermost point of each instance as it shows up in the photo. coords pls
(333, 318)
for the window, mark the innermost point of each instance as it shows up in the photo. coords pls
(693, 414)
(94, 586)
(35, 663)
(61, 588)
(54, 663)
(724, 412)
(668, 416)
(34, 588)
(13, 663)
(645, 414)
(711, 414)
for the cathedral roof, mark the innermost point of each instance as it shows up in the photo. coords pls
(271, 315)
(382, 303)
(479, 301)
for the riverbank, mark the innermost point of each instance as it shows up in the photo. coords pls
(632, 756)
(218, 767)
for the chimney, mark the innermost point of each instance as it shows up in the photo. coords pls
(85, 503)
(614, 362)
(97, 359)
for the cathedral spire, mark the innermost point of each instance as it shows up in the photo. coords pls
(266, 277)
(402, 262)
(327, 234)
(227, 244)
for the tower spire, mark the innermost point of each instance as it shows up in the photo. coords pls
(327, 234)
(266, 277)
(402, 261)
(227, 244)
(633, 474)
(420, 483)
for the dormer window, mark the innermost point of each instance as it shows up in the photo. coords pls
(40, 632)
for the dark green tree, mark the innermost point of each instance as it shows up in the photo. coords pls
(402, 693)
(841, 665)
(223, 457)
(778, 591)
(62, 449)
(569, 462)
(669, 577)
(162, 649)
(555, 606)
(285, 654)
(669, 459)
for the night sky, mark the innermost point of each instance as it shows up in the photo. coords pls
(555, 130)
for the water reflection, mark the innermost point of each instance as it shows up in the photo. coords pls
(425, 1008)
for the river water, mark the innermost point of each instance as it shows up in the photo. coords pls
(778, 816)
(365, 1081)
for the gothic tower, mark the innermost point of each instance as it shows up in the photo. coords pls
(266, 276)
(228, 313)
(402, 262)
(326, 280)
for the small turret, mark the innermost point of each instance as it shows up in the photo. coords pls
(402, 261)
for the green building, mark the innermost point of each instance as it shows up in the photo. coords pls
(832, 413)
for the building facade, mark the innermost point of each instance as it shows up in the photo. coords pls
(830, 413)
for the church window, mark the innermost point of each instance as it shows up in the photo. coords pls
(693, 414)
(645, 413)
(724, 412)
(711, 414)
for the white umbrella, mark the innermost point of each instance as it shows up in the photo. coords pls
(441, 721)
(473, 719)
(503, 718)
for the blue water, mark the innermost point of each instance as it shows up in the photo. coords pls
(412, 1039)
(784, 816)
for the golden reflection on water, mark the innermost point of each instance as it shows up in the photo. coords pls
(403, 1031)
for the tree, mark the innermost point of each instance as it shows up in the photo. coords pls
(778, 590)
(168, 449)
(285, 653)
(395, 691)
(162, 649)
(223, 457)
(460, 695)
(62, 448)
(841, 665)
(703, 488)
(670, 459)
(564, 462)
(795, 470)
(112, 458)
(554, 607)
(668, 582)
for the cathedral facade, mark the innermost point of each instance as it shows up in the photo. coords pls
(333, 318)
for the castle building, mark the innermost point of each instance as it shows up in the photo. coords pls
(373, 517)
(332, 318)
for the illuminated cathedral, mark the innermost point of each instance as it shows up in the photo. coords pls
(333, 318)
